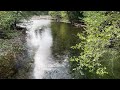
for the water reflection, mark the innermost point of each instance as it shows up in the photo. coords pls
(64, 36)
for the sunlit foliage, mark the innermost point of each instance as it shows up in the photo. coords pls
(101, 38)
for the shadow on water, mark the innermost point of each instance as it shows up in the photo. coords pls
(64, 36)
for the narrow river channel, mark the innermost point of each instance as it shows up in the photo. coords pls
(49, 45)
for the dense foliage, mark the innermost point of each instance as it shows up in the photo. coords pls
(99, 43)
(67, 16)
(9, 19)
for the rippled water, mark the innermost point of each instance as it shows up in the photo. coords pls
(40, 43)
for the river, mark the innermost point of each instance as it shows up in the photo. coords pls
(48, 50)
(49, 45)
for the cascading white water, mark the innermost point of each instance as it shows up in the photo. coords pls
(39, 42)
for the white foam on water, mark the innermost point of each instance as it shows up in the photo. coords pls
(40, 42)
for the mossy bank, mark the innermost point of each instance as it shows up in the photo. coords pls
(13, 55)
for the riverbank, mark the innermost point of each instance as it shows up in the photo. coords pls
(13, 52)
(75, 24)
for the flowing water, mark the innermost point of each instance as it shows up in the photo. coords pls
(49, 45)
(49, 49)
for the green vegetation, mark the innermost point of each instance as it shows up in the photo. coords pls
(99, 43)
(59, 15)
(10, 41)
(67, 16)
(9, 51)
(9, 19)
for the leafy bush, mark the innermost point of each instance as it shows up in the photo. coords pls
(69, 16)
(102, 37)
